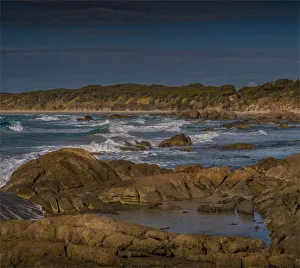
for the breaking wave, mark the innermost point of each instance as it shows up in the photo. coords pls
(48, 118)
(16, 126)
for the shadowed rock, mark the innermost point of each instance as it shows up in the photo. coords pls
(86, 118)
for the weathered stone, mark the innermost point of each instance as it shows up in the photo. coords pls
(66, 170)
(255, 260)
(177, 140)
(245, 207)
(238, 125)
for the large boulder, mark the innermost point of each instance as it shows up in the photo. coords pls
(177, 140)
(64, 180)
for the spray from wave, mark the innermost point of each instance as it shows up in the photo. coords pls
(15, 126)
(204, 137)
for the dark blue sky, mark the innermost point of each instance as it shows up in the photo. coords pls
(67, 44)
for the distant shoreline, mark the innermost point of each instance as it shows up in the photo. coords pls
(167, 112)
(87, 112)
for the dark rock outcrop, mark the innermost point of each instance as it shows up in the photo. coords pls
(177, 140)
(86, 118)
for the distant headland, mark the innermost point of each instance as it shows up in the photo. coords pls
(281, 94)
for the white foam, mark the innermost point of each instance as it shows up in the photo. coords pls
(16, 126)
(108, 146)
(204, 137)
(48, 118)
(253, 133)
(94, 124)
(139, 121)
(9, 165)
(2, 117)
(165, 125)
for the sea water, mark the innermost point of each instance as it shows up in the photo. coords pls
(27, 136)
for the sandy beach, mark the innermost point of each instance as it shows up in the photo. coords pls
(242, 113)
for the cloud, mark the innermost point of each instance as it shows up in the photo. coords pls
(252, 84)
(58, 13)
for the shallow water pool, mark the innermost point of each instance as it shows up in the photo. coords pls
(184, 218)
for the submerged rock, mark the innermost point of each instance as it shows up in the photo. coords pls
(177, 140)
(117, 116)
(283, 126)
(138, 146)
(208, 129)
(189, 149)
(237, 125)
(86, 118)
(238, 146)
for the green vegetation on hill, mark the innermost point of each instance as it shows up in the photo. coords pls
(280, 93)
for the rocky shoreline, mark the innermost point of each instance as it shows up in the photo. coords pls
(69, 181)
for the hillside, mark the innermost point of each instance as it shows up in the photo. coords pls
(281, 94)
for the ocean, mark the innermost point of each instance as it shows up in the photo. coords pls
(27, 136)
